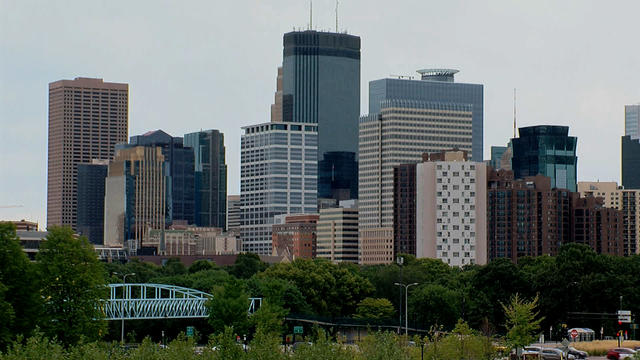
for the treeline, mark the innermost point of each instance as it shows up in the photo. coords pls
(57, 293)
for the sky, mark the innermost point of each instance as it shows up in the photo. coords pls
(194, 65)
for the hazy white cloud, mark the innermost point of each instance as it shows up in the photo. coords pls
(211, 64)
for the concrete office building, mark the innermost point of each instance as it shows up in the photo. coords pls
(294, 236)
(337, 237)
(22, 225)
(632, 121)
(451, 207)
(210, 177)
(547, 150)
(136, 195)
(91, 192)
(406, 119)
(278, 175)
(630, 162)
(180, 169)
(233, 214)
(87, 117)
(625, 200)
(321, 85)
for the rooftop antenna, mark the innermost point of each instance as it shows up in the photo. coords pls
(310, 14)
(514, 113)
(336, 16)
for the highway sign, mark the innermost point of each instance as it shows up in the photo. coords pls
(297, 329)
(190, 330)
(624, 312)
(624, 319)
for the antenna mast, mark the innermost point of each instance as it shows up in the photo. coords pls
(310, 14)
(336, 16)
(514, 113)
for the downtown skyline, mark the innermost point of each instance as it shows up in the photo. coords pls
(193, 72)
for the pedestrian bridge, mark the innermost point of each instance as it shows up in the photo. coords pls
(158, 301)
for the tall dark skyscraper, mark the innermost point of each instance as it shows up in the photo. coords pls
(546, 150)
(91, 189)
(321, 84)
(210, 177)
(630, 162)
(180, 169)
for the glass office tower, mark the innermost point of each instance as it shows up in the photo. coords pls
(546, 150)
(321, 85)
(632, 121)
(630, 162)
(210, 177)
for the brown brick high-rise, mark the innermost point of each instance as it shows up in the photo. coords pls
(87, 117)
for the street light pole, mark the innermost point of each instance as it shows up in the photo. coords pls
(406, 305)
(124, 293)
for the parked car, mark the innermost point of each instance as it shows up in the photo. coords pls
(620, 353)
(578, 354)
(555, 354)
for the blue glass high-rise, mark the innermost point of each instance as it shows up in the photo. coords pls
(321, 84)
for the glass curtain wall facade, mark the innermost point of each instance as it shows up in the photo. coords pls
(630, 163)
(321, 85)
(180, 163)
(278, 175)
(91, 179)
(210, 177)
(632, 121)
(549, 151)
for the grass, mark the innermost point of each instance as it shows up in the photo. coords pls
(600, 347)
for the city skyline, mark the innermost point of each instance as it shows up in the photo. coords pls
(190, 80)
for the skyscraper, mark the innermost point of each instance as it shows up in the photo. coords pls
(338, 233)
(321, 85)
(136, 195)
(630, 162)
(632, 121)
(497, 152)
(233, 214)
(408, 118)
(180, 167)
(547, 150)
(87, 117)
(278, 175)
(91, 191)
(210, 177)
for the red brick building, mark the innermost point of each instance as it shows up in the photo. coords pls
(296, 237)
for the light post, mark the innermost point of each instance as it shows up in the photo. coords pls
(406, 303)
(124, 293)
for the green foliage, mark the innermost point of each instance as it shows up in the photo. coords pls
(201, 265)
(323, 348)
(20, 304)
(174, 267)
(225, 346)
(247, 265)
(375, 309)
(73, 283)
(523, 321)
(437, 304)
(384, 346)
(265, 346)
(269, 319)
(281, 292)
(329, 289)
(228, 307)
(36, 347)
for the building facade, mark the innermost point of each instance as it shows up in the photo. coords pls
(294, 236)
(525, 217)
(451, 209)
(91, 192)
(547, 150)
(596, 226)
(337, 238)
(87, 117)
(321, 85)
(497, 152)
(404, 209)
(632, 121)
(625, 200)
(210, 177)
(630, 162)
(233, 214)
(278, 175)
(180, 166)
(408, 118)
(135, 196)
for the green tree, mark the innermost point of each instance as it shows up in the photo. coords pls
(229, 307)
(434, 304)
(384, 346)
(265, 346)
(324, 349)
(281, 292)
(73, 284)
(269, 318)
(375, 309)
(225, 346)
(522, 321)
(20, 305)
(201, 265)
(247, 265)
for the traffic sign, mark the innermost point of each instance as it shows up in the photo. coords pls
(190, 330)
(624, 316)
(624, 312)
(574, 333)
(297, 330)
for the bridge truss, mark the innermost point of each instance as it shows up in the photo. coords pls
(158, 301)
